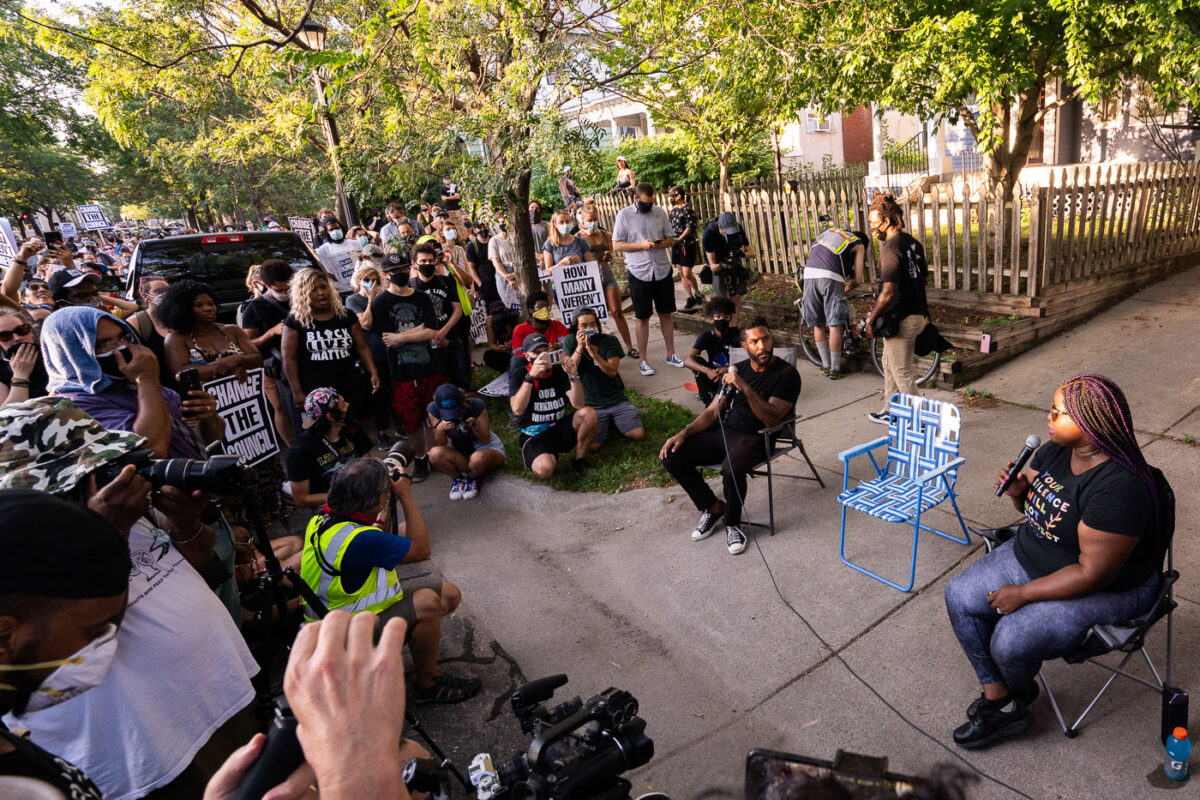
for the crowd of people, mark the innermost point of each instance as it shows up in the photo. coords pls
(373, 353)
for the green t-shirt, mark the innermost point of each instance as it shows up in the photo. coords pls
(600, 390)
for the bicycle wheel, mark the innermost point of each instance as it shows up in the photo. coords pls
(807, 343)
(925, 367)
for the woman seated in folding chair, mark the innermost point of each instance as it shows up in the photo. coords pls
(1085, 554)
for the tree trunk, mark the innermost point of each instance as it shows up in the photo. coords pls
(519, 230)
(723, 160)
(778, 159)
(1005, 162)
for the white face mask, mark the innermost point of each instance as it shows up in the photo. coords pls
(278, 295)
(564, 228)
(75, 675)
(450, 234)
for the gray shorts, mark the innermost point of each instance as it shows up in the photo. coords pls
(824, 303)
(491, 444)
(623, 415)
(608, 279)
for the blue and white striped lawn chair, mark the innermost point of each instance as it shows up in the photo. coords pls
(920, 472)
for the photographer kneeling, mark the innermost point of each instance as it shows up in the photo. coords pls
(464, 445)
(350, 563)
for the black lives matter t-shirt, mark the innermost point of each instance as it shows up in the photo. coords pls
(326, 356)
(549, 403)
(780, 379)
(902, 262)
(716, 348)
(1107, 498)
(393, 313)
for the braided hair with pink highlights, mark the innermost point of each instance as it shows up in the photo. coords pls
(1099, 408)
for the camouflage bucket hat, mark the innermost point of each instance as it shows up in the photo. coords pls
(49, 444)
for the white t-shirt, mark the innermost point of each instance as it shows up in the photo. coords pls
(181, 671)
(339, 259)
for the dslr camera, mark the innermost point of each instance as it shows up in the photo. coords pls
(221, 476)
(398, 458)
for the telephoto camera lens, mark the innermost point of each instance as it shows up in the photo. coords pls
(398, 458)
(220, 475)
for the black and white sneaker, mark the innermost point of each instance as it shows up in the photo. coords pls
(706, 526)
(735, 540)
(882, 417)
(420, 469)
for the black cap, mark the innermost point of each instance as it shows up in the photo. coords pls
(393, 261)
(533, 341)
(448, 400)
(65, 279)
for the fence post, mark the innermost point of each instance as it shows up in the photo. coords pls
(1032, 283)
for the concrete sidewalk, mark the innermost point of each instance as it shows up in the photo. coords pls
(611, 590)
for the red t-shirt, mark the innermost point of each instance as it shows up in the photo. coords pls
(555, 332)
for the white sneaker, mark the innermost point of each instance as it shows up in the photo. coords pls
(470, 488)
(735, 540)
(645, 369)
(456, 488)
(674, 360)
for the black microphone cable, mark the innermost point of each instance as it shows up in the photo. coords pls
(837, 655)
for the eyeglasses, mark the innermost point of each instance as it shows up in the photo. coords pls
(1055, 413)
(106, 346)
(24, 329)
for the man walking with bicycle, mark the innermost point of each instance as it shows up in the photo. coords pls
(834, 267)
(901, 310)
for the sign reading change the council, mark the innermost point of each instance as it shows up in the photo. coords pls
(578, 286)
(92, 217)
(249, 429)
(304, 227)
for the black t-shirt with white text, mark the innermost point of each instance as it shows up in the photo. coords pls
(549, 403)
(1106, 498)
(450, 205)
(313, 458)
(44, 769)
(393, 313)
(326, 353)
(716, 348)
(780, 379)
(442, 291)
(902, 262)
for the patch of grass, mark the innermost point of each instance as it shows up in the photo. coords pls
(619, 465)
(1030, 406)
(1189, 439)
(991, 323)
(971, 391)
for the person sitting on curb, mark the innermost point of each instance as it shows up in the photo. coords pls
(349, 560)
(327, 443)
(714, 344)
(464, 445)
(597, 357)
(539, 390)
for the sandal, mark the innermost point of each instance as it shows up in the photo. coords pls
(446, 689)
(633, 353)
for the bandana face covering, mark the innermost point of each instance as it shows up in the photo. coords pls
(75, 675)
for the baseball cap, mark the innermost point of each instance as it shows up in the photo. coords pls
(440, 213)
(396, 261)
(372, 251)
(318, 404)
(566, 169)
(728, 223)
(448, 401)
(65, 279)
(533, 341)
(51, 445)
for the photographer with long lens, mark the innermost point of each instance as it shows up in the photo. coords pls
(464, 445)
(725, 251)
(175, 702)
(350, 562)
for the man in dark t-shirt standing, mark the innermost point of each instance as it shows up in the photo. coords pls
(442, 292)
(762, 392)
(405, 319)
(901, 306)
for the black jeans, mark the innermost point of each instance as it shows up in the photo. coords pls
(707, 448)
(706, 386)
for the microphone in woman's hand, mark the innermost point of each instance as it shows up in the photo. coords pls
(1031, 444)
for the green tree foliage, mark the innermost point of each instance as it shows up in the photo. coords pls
(989, 63)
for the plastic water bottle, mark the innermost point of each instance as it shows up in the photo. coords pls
(1179, 748)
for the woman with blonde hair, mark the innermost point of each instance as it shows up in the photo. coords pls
(321, 340)
(600, 249)
(563, 247)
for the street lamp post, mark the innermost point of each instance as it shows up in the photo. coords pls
(312, 35)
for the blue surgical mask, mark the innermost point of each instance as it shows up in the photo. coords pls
(563, 228)
(591, 225)
(450, 234)
(336, 235)
(368, 285)
(364, 240)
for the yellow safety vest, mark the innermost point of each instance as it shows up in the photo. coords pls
(320, 566)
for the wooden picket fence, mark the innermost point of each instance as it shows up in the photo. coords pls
(1088, 220)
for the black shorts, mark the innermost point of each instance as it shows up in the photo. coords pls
(559, 439)
(404, 608)
(683, 254)
(650, 296)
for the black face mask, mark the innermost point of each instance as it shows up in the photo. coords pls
(12, 349)
(721, 326)
(399, 277)
(535, 217)
(109, 364)
(644, 207)
(336, 415)
(427, 270)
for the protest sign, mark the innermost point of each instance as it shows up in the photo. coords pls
(497, 388)
(304, 227)
(8, 244)
(576, 286)
(67, 229)
(479, 323)
(92, 216)
(249, 428)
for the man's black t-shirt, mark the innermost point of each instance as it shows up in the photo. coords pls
(311, 457)
(326, 352)
(549, 403)
(721, 246)
(262, 314)
(393, 313)
(477, 255)
(780, 379)
(27, 760)
(442, 292)
(450, 205)
(1106, 498)
(902, 262)
(716, 348)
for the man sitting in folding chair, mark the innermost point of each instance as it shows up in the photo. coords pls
(760, 394)
(1086, 554)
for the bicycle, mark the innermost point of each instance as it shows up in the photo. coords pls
(854, 338)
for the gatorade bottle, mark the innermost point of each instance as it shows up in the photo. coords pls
(1179, 748)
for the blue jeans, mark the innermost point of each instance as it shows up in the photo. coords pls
(1012, 647)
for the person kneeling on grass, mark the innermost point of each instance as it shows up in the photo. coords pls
(539, 390)
(464, 445)
(350, 562)
(597, 356)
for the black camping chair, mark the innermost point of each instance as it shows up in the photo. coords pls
(1128, 637)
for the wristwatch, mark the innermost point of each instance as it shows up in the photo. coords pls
(575, 379)
(529, 378)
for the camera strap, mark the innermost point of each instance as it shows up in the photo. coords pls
(330, 519)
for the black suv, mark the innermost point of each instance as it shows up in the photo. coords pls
(222, 260)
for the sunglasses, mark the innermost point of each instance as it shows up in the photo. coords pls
(23, 329)
(1055, 413)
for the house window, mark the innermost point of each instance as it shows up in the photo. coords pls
(818, 125)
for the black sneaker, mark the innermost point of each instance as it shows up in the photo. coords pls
(735, 540)
(691, 303)
(385, 442)
(882, 417)
(420, 469)
(1027, 697)
(706, 525)
(990, 726)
